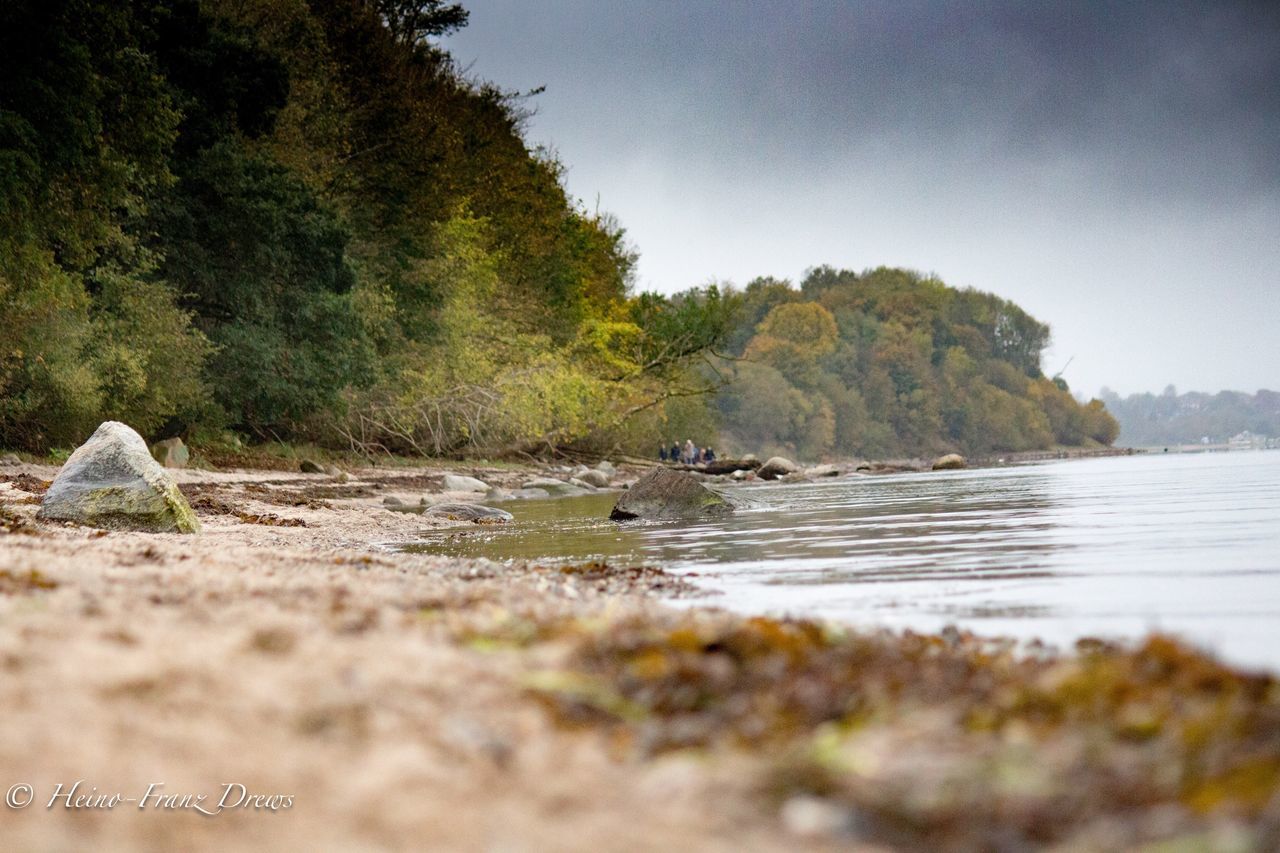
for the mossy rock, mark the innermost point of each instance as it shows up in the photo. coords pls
(112, 482)
(664, 493)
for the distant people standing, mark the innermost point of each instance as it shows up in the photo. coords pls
(662, 453)
(708, 455)
(674, 455)
(690, 452)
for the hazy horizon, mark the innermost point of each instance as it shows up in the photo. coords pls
(1113, 169)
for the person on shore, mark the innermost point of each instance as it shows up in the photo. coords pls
(662, 453)
(708, 455)
(674, 454)
(690, 452)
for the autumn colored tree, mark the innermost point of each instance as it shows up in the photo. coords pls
(897, 363)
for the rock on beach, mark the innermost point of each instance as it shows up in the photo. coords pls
(950, 462)
(112, 482)
(171, 453)
(596, 478)
(459, 483)
(777, 467)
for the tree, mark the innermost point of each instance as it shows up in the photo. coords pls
(87, 126)
(261, 263)
(905, 365)
(1099, 425)
(414, 21)
(793, 338)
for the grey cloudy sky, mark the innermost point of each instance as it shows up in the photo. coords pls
(1112, 167)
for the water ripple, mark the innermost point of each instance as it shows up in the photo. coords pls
(1112, 547)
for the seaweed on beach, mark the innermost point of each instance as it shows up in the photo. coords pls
(607, 578)
(270, 519)
(270, 494)
(21, 583)
(12, 522)
(946, 740)
(27, 483)
(206, 501)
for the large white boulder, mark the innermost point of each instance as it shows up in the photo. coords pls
(112, 482)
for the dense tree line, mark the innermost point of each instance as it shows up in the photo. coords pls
(889, 363)
(1149, 420)
(298, 219)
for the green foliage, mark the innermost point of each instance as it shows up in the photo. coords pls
(262, 264)
(478, 383)
(49, 394)
(300, 219)
(145, 352)
(888, 362)
(86, 125)
(672, 330)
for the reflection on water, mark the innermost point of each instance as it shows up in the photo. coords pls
(1111, 547)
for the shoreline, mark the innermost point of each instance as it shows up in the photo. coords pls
(406, 700)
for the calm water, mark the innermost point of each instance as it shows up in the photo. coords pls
(1106, 547)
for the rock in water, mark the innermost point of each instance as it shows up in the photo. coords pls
(776, 467)
(171, 453)
(664, 493)
(111, 481)
(469, 512)
(949, 462)
(459, 483)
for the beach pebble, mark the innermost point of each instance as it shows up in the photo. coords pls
(811, 817)
(459, 483)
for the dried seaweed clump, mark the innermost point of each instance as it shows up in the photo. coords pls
(953, 742)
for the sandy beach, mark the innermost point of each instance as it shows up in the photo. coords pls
(321, 691)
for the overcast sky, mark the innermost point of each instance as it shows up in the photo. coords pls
(1113, 168)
